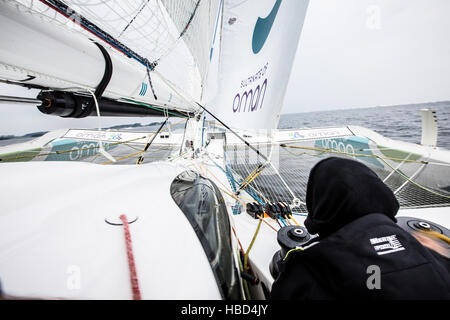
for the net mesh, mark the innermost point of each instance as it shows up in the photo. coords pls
(124, 151)
(415, 184)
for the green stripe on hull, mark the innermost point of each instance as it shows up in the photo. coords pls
(20, 156)
(398, 154)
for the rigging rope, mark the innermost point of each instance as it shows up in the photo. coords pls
(232, 180)
(69, 13)
(292, 218)
(252, 176)
(232, 196)
(437, 235)
(140, 160)
(250, 246)
(282, 220)
(131, 21)
(292, 250)
(267, 223)
(147, 65)
(131, 263)
(142, 151)
(229, 193)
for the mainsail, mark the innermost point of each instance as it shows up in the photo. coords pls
(159, 49)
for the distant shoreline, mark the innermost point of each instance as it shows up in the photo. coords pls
(434, 103)
(28, 135)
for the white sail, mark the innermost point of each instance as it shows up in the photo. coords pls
(173, 39)
(258, 44)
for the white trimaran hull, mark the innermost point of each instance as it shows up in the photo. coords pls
(59, 245)
(61, 236)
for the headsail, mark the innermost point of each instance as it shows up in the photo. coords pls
(258, 45)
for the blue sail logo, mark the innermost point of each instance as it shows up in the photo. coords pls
(262, 28)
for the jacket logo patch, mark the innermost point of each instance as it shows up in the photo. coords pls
(386, 245)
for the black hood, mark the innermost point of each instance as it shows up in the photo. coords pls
(342, 190)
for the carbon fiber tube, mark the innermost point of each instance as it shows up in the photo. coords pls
(72, 105)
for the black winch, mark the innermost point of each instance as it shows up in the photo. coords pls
(288, 238)
(411, 224)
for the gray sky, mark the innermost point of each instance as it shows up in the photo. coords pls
(361, 53)
(352, 53)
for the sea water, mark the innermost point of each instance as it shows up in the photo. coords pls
(396, 122)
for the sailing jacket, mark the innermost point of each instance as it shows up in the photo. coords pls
(345, 265)
(361, 252)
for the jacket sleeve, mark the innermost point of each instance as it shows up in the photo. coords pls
(444, 261)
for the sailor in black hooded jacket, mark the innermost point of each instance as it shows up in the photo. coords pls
(353, 212)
